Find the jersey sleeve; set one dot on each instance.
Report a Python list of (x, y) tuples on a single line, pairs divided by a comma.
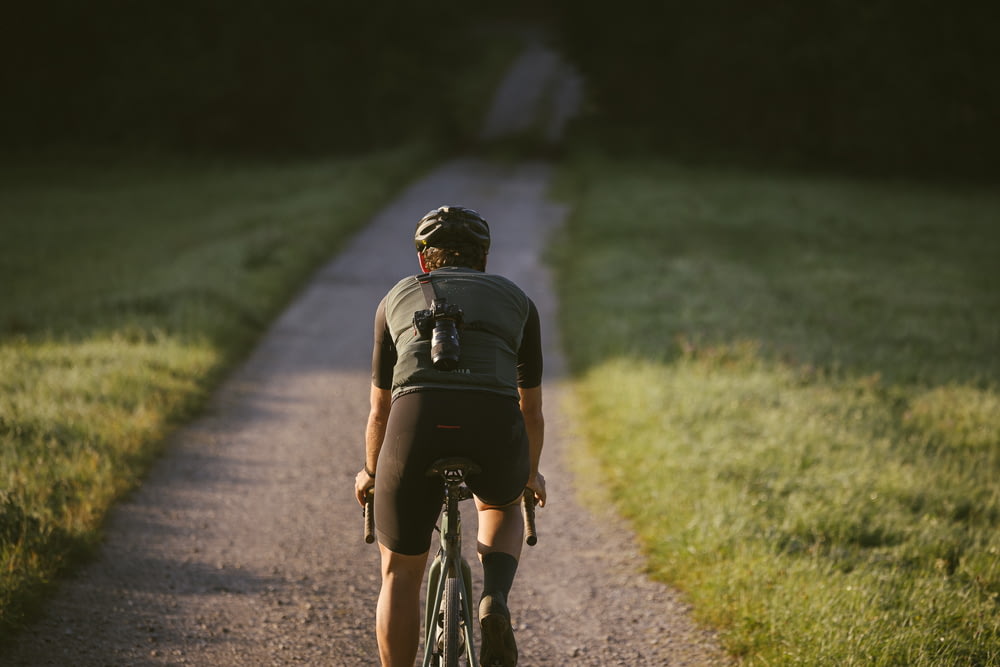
[(383, 351), (529, 355)]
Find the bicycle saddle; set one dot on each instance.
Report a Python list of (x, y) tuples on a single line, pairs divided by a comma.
[(452, 465)]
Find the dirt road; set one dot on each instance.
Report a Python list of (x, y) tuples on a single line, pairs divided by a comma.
[(244, 545)]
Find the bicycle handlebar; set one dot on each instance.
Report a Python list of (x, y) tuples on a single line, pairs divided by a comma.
[(528, 509), (369, 518)]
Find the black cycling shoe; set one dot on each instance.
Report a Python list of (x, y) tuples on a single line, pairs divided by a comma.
[(498, 646)]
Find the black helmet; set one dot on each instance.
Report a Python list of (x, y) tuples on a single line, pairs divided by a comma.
[(452, 225)]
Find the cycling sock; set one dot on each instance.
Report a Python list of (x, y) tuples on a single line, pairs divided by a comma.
[(499, 569)]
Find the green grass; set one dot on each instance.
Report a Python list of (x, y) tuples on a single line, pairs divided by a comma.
[(128, 290), (791, 386)]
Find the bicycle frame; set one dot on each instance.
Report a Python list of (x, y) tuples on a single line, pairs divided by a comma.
[(450, 564)]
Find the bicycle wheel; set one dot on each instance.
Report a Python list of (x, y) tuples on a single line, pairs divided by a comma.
[(452, 630)]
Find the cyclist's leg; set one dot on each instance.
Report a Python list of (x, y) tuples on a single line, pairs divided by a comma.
[(501, 528), (502, 451), (397, 617), (407, 503), (500, 533), (503, 456)]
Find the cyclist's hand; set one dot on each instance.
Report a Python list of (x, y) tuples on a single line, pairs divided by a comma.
[(363, 482), (537, 484)]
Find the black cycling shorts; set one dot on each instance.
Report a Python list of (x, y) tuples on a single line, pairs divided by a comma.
[(425, 426)]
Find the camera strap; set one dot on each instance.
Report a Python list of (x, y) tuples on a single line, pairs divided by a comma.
[(430, 295)]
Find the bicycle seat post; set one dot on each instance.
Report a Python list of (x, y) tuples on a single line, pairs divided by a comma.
[(453, 472)]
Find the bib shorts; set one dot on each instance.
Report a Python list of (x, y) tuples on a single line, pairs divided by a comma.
[(428, 425)]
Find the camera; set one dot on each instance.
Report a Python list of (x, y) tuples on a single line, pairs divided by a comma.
[(441, 323)]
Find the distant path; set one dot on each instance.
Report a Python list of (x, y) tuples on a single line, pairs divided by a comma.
[(541, 92), (244, 545)]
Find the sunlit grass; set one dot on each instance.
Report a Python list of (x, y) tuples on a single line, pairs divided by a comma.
[(167, 245), (128, 291), (791, 385), (77, 423)]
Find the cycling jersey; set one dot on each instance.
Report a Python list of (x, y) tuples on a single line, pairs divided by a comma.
[(500, 340)]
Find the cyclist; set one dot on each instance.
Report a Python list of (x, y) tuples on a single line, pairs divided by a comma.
[(488, 409)]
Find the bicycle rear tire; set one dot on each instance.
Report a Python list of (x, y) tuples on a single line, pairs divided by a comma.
[(453, 646)]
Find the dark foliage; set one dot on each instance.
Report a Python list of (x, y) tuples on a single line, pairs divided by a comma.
[(886, 85), (251, 76)]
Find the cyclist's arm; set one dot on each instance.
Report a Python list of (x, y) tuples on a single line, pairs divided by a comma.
[(383, 363), (534, 422), (380, 400), (529, 378), (378, 417)]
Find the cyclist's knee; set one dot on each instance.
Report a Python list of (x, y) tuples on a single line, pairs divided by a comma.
[(482, 505), (402, 565)]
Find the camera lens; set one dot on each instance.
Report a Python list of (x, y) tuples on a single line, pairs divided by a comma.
[(445, 349)]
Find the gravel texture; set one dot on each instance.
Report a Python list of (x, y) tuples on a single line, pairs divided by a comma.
[(244, 545)]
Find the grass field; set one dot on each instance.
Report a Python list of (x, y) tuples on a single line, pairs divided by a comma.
[(128, 290), (790, 384)]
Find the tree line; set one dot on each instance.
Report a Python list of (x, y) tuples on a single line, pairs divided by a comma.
[(253, 76), (890, 85)]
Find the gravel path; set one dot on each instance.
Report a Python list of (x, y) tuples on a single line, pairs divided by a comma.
[(244, 545)]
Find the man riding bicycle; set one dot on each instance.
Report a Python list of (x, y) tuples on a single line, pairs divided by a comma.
[(456, 371)]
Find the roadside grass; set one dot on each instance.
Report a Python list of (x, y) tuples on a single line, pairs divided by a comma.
[(790, 384), (128, 291)]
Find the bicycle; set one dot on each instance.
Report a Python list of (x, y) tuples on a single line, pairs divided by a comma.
[(448, 612)]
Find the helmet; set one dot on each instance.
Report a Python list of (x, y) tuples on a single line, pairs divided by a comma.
[(452, 225)]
